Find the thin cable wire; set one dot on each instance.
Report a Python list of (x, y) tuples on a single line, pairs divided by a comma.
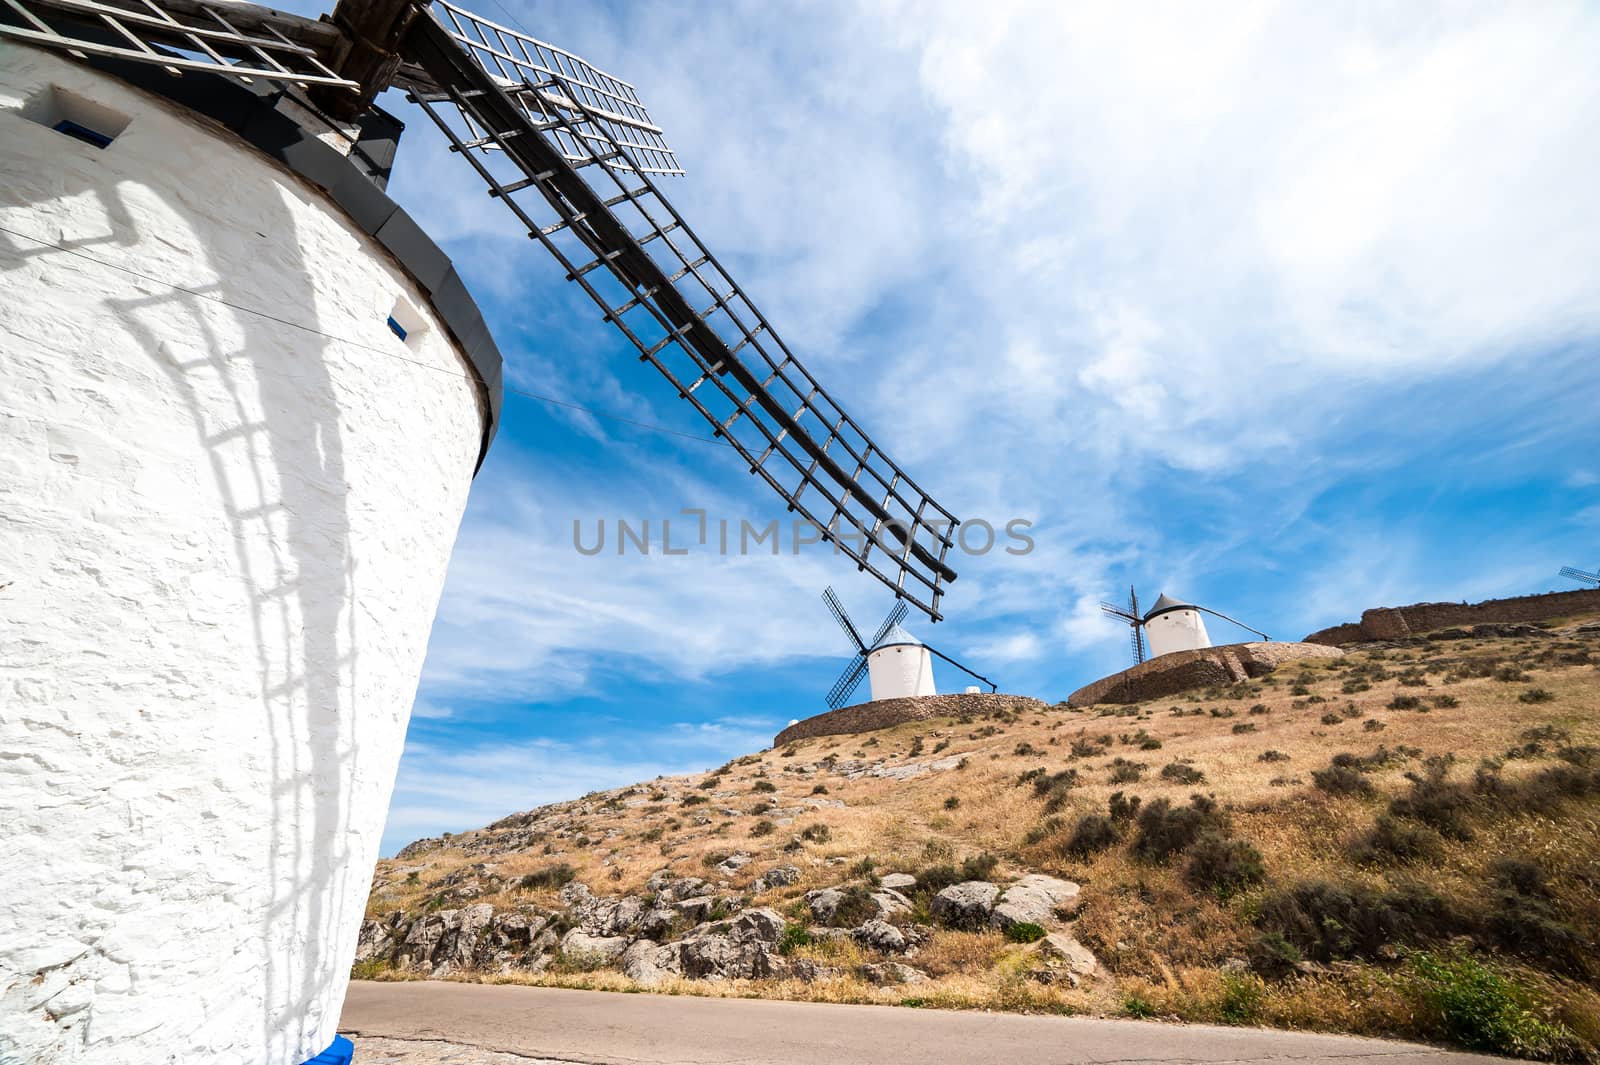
[(359, 344)]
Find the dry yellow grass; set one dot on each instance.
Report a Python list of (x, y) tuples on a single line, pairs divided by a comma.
[(1164, 942)]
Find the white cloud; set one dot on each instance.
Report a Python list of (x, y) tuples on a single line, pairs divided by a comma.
[(425, 710), (527, 616), (1065, 262), (1007, 647)]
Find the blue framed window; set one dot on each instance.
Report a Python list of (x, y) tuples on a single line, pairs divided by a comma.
[(396, 328), (78, 131)]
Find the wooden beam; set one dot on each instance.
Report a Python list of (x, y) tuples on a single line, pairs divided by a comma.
[(372, 30)]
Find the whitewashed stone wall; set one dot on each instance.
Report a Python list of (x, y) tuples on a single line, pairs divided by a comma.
[(222, 542)]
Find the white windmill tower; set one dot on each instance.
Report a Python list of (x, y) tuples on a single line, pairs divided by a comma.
[(1170, 625), (898, 664), (244, 399)]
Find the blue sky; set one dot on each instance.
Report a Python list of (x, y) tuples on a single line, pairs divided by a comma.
[(1292, 314)]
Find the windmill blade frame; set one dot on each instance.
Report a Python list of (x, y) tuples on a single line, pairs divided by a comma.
[(1130, 616), (529, 116), (847, 682), (1575, 574), (517, 59), (242, 41), (669, 296), (1119, 612), (896, 615), (836, 608)]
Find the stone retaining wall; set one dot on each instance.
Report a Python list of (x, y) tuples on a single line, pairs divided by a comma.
[(1202, 668), (867, 717), (1389, 623)]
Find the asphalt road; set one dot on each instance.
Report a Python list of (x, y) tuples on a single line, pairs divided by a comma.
[(602, 1028)]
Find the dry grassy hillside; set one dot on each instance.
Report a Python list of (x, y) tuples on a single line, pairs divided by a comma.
[(1404, 841)]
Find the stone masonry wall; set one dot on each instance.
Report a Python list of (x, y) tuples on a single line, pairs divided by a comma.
[(1388, 623), (867, 717), (1203, 667)]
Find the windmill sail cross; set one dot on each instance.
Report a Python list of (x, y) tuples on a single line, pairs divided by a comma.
[(582, 188)]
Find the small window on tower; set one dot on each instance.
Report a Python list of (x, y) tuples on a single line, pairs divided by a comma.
[(74, 116), (406, 322)]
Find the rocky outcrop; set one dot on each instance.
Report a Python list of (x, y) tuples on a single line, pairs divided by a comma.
[(1064, 948), (1035, 899), (867, 717), (1206, 667), (741, 949), (968, 905), (881, 935), (639, 934), (777, 876), (892, 972), (474, 937)]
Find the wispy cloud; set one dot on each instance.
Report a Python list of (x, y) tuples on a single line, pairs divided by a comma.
[(1291, 311)]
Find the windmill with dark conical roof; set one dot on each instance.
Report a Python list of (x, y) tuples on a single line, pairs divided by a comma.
[(1170, 625)]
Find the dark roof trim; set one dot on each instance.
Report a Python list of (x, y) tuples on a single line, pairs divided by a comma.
[(355, 183), (1166, 605)]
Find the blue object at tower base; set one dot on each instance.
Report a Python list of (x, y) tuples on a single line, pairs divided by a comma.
[(341, 1052)]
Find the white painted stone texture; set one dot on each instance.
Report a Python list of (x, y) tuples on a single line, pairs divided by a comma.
[(900, 671), (1176, 630), (222, 541)]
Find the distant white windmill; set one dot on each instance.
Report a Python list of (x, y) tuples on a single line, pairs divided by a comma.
[(1171, 625), (898, 664)]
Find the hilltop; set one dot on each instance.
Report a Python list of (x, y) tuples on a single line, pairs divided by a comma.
[(1402, 840)]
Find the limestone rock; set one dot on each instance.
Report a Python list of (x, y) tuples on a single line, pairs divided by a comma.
[(824, 903), (808, 971), (668, 889), (898, 881), (777, 876), (600, 950), (508, 940), (892, 972), (881, 935), (733, 863), (965, 905), (648, 962), (656, 923), (1034, 899), (626, 914), (718, 955), (380, 939), (890, 902), (1053, 975), (1061, 946), (763, 925), (696, 909)]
